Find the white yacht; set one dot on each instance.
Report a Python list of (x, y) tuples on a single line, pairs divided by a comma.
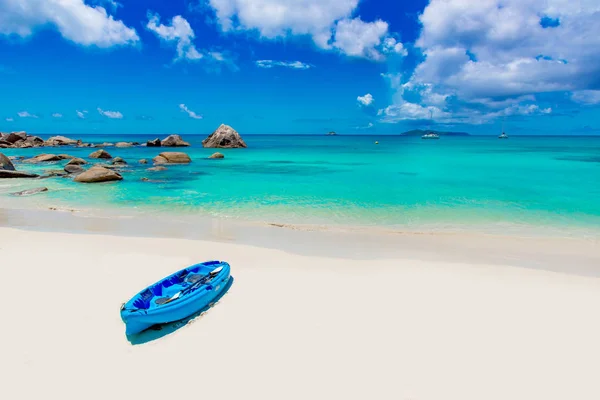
[(430, 134), (503, 135)]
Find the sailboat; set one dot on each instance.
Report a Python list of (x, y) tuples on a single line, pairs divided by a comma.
[(430, 134), (503, 135)]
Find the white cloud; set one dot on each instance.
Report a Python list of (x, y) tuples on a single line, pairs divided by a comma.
[(286, 64), (277, 18), (405, 110), (492, 57), (110, 114), (355, 37), (57, 115), (9, 119), (179, 32), (217, 56), (81, 114), (498, 48), (586, 96), (113, 4), (503, 103), (82, 24), (366, 100), (329, 23), (189, 112), (368, 126), (26, 114), (410, 111), (392, 46)]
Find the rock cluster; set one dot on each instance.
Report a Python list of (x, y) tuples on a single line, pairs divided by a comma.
[(21, 139), (7, 169)]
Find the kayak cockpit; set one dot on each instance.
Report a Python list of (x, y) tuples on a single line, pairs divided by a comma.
[(175, 286)]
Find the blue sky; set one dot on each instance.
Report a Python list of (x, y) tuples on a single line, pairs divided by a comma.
[(300, 66)]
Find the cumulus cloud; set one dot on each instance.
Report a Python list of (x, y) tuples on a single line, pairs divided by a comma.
[(26, 114), (81, 114), (276, 18), (411, 111), (178, 32), (57, 115), (392, 46), (491, 58), (286, 64), (76, 21), (330, 23), (366, 100), (189, 112), (355, 37), (10, 119), (110, 114), (499, 48), (408, 111)]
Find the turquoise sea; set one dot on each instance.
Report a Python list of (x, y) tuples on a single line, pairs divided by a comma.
[(401, 184)]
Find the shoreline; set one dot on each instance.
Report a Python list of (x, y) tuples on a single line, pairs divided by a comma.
[(40, 203), (497, 227), (571, 255)]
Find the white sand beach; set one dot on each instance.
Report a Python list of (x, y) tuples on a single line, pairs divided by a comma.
[(293, 326)]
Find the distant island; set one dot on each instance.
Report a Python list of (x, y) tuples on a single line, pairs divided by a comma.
[(332, 133), (420, 132)]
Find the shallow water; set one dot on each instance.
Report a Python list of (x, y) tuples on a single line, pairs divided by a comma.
[(403, 183)]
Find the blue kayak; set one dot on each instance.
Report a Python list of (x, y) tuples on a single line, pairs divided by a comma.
[(176, 296)]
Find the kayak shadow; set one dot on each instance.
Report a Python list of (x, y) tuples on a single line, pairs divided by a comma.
[(161, 330)]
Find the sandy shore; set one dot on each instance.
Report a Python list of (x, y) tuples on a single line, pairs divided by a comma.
[(292, 326)]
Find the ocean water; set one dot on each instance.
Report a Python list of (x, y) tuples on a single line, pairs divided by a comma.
[(401, 184)]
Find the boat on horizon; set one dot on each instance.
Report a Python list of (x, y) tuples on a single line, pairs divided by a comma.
[(176, 297), (503, 135), (430, 134)]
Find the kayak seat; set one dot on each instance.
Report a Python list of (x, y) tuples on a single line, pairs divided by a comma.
[(193, 278), (161, 300), (176, 279), (143, 302)]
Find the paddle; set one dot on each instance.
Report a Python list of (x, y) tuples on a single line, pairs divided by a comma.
[(205, 279)]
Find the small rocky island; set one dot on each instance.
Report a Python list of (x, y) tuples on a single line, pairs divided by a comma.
[(224, 137)]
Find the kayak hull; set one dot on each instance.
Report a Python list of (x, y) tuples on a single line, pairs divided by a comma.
[(141, 312)]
